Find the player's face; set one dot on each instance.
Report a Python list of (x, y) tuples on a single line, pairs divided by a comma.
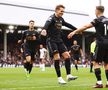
[(97, 12), (41, 46), (75, 42), (60, 12), (31, 25)]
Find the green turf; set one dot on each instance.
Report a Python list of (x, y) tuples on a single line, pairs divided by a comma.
[(14, 79)]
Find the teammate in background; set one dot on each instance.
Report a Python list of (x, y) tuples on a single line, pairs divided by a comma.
[(101, 53), (92, 52), (76, 53), (55, 43), (43, 55), (31, 38), (22, 49)]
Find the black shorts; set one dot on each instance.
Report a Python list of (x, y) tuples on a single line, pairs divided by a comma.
[(76, 57), (101, 54), (56, 47), (28, 52)]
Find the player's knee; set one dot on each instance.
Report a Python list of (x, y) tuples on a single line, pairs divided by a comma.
[(66, 55), (75, 62), (28, 58), (106, 66), (96, 65), (56, 56), (79, 62)]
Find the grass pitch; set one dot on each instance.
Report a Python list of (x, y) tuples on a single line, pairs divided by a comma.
[(14, 79)]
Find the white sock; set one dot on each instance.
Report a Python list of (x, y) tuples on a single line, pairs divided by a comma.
[(40, 65), (43, 67), (59, 77), (99, 82), (107, 82), (69, 75)]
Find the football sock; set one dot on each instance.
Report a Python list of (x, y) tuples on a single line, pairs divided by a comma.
[(57, 68), (76, 66), (98, 74), (68, 66)]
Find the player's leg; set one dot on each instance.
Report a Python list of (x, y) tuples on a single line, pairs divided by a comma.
[(63, 50), (91, 67), (57, 67), (106, 64), (76, 61), (42, 64), (56, 63), (25, 66), (99, 56), (76, 64), (32, 60), (27, 61), (91, 63), (97, 72), (30, 66), (53, 49), (66, 57), (106, 73)]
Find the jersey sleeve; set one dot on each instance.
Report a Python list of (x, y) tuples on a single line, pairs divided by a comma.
[(48, 22), (37, 35), (45, 50), (39, 38), (71, 48), (95, 22), (23, 36), (69, 25), (79, 47)]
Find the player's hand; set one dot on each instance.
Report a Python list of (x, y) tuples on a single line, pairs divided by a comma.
[(71, 34), (34, 37), (43, 32)]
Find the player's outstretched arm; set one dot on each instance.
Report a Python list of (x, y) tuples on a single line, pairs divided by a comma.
[(80, 30), (69, 25)]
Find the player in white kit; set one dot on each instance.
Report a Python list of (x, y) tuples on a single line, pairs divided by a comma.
[(43, 55)]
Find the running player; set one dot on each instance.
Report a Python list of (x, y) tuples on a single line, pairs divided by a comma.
[(76, 53), (101, 48), (55, 43), (31, 38)]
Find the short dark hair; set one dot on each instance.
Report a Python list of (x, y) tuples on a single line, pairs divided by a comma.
[(31, 21), (59, 6), (100, 8)]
